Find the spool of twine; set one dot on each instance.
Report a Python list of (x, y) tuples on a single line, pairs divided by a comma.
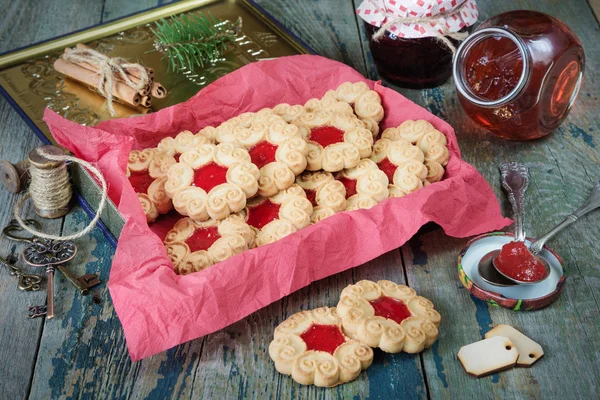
[(50, 189), (442, 37)]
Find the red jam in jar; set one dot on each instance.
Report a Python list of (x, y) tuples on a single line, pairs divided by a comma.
[(519, 73), (412, 63)]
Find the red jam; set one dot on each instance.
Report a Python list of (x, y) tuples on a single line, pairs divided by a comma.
[(176, 156), (311, 195), (140, 181), (413, 63), (326, 135), (262, 214), (210, 176), (494, 68), (262, 153), (519, 73), (517, 262), (349, 184), (388, 167), (391, 308), (203, 238), (323, 338)]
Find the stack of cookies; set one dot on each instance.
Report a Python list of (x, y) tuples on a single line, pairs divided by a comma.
[(263, 175)]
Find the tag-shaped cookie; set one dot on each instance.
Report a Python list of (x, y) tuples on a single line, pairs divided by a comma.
[(529, 351), (488, 356)]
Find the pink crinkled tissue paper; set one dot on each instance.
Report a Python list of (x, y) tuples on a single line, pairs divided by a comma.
[(159, 309)]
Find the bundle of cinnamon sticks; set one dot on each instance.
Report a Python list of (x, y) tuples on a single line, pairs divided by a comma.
[(88, 73)]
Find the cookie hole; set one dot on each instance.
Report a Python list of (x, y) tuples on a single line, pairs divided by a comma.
[(508, 347), (531, 355)]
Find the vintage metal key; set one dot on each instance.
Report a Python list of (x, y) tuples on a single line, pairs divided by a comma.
[(13, 230), (83, 283), (37, 311), (27, 282), (48, 253)]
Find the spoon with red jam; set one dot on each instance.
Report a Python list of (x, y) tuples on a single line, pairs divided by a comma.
[(523, 265), (515, 179), (514, 261)]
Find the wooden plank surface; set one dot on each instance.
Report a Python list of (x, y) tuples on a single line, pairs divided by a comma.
[(329, 27), (82, 352), (21, 24), (563, 168)]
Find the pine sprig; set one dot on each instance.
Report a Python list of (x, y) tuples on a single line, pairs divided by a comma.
[(192, 40)]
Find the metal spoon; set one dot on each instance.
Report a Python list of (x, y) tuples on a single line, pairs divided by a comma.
[(515, 179), (592, 202)]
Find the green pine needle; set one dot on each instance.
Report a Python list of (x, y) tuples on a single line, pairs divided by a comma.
[(189, 41)]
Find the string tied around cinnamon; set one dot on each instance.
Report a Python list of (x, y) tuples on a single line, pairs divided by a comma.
[(442, 36), (109, 69), (50, 189)]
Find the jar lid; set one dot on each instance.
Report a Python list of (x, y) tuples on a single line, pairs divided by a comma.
[(424, 18)]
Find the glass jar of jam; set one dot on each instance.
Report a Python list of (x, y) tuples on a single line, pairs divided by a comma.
[(519, 73), (414, 63)]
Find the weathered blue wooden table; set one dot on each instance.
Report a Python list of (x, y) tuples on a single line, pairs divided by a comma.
[(82, 353)]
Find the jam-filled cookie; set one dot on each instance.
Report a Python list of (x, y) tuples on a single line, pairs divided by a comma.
[(276, 147), (288, 112), (184, 141), (422, 134), (335, 140), (147, 171), (365, 184), (402, 162), (193, 246), (389, 316), (312, 348), (277, 216), (328, 102), (365, 102), (212, 181), (326, 194)]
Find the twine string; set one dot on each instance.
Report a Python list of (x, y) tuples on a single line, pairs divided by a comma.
[(50, 187), (438, 18), (108, 69)]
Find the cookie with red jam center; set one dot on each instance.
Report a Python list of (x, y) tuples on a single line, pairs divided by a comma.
[(278, 216), (408, 169), (389, 316), (336, 140), (366, 185), (312, 348), (146, 171), (212, 181), (194, 246), (275, 146), (353, 98), (326, 194)]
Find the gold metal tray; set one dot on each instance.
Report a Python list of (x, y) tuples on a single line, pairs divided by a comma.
[(30, 83)]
